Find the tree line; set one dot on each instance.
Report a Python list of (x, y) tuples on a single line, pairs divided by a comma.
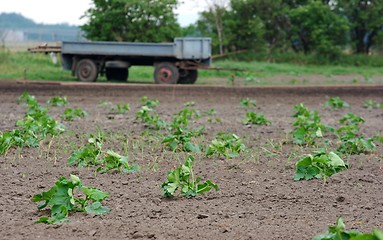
[(323, 27)]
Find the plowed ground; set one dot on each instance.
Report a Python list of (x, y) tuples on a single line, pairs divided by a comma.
[(258, 198)]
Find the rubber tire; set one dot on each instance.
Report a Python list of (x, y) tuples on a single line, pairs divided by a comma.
[(117, 74), (190, 77), (86, 70), (166, 73)]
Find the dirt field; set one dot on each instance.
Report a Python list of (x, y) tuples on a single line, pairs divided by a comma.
[(258, 198)]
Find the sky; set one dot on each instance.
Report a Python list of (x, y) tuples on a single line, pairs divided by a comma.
[(70, 11)]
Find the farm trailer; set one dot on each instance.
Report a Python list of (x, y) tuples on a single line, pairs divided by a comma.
[(176, 62)]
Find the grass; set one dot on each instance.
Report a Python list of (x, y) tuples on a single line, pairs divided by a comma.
[(25, 65)]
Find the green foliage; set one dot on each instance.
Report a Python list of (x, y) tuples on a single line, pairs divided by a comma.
[(148, 115), (183, 178), (70, 114), (338, 232), (246, 102), (88, 155), (182, 118), (58, 101), (36, 126), (121, 108), (227, 145), (319, 165), (131, 21), (255, 118), (113, 160), (62, 200), (308, 126), (371, 104), (348, 134), (92, 154), (182, 140), (335, 103), (319, 29)]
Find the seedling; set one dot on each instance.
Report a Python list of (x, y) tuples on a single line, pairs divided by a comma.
[(351, 142), (308, 125), (336, 103), (189, 104), (182, 118), (246, 102), (148, 102), (121, 108), (338, 232), (227, 145), (92, 154), (210, 112), (149, 117), (371, 104), (88, 155), (58, 101), (183, 178), (181, 140), (113, 160), (70, 114), (319, 165), (255, 118), (62, 200), (33, 128)]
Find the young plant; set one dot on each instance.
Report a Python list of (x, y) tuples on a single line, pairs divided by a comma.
[(336, 103), (150, 118), (348, 134), (319, 165), (58, 101), (89, 155), (70, 114), (227, 145), (182, 118), (36, 126), (181, 140), (149, 102), (308, 126), (338, 232), (183, 178), (92, 154), (255, 118), (121, 108), (113, 160), (62, 200), (371, 104), (246, 102)]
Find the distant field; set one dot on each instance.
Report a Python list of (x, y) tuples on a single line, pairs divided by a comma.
[(17, 63)]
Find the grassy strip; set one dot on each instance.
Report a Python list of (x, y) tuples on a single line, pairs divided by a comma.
[(24, 65)]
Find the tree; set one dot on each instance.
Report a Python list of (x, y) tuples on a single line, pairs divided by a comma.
[(217, 9), (132, 20), (316, 28), (366, 18)]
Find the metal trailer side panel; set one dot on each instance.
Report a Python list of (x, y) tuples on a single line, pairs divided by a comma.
[(193, 48), (119, 49)]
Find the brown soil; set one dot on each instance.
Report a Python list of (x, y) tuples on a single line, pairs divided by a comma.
[(258, 198)]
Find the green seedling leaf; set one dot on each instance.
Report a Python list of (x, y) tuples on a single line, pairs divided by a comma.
[(319, 165), (58, 101), (183, 178), (338, 232), (96, 208), (61, 200)]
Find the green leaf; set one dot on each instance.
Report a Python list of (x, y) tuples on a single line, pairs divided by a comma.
[(94, 194), (335, 160), (96, 208)]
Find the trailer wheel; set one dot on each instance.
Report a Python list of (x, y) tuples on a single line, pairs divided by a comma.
[(86, 70), (188, 76), (117, 74), (166, 73)]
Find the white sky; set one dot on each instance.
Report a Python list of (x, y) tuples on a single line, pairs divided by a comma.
[(70, 11)]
